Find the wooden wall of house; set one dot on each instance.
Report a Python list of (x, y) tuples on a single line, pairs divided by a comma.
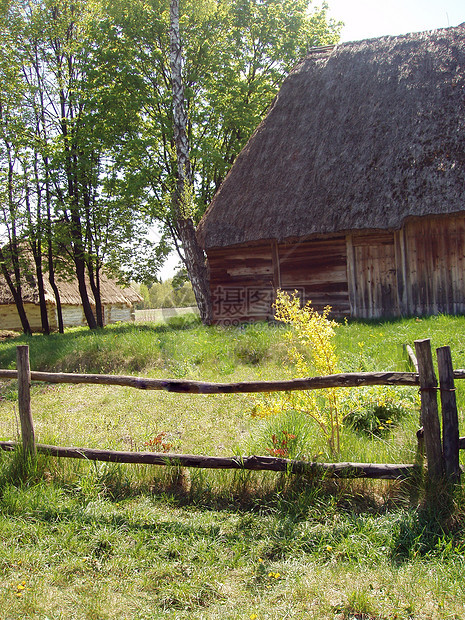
[(317, 270), (431, 265), (73, 315), (9, 318), (242, 283), (244, 279), (116, 313), (372, 274), (417, 270)]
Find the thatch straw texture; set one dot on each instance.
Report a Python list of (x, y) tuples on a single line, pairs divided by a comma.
[(111, 292), (361, 136)]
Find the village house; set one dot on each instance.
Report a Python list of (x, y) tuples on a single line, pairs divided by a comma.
[(118, 303)]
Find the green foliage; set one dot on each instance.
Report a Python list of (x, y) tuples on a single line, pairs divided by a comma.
[(236, 55), (170, 293), (377, 411), (86, 127)]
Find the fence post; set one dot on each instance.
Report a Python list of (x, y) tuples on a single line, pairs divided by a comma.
[(24, 400), (450, 420), (429, 410)]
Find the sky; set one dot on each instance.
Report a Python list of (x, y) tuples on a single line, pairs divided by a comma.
[(375, 18), (365, 19)]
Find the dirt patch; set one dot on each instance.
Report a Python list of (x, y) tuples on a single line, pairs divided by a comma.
[(5, 334)]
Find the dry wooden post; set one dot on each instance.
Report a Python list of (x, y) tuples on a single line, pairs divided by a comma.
[(450, 420), (24, 400), (429, 410), (411, 355)]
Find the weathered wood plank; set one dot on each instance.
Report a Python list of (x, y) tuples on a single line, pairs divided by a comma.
[(450, 420), (254, 463), (411, 356), (276, 265), (429, 410), (351, 277), (24, 399)]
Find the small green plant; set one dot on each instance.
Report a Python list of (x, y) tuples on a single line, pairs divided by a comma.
[(312, 350), (375, 410)]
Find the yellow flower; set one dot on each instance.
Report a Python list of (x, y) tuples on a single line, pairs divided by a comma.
[(329, 548), (253, 616), (260, 560)]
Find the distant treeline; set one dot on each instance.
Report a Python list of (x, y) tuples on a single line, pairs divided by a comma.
[(166, 294)]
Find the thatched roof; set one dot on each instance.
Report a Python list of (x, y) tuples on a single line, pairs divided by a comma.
[(360, 136), (111, 292)]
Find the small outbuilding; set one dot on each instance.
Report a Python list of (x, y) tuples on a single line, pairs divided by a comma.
[(118, 303), (352, 189)]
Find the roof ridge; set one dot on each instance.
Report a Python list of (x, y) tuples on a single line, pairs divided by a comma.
[(322, 48)]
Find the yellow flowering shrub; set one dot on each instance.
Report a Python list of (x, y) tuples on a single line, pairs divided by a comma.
[(312, 352)]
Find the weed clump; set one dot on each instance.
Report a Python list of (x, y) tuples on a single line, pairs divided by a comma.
[(376, 415)]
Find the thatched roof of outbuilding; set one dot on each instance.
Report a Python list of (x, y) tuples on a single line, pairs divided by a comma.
[(360, 136), (111, 292)]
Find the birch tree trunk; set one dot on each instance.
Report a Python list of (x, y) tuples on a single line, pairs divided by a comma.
[(182, 200)]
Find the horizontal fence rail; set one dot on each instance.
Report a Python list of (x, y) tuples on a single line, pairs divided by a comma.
[(254, 463), (181, 386)]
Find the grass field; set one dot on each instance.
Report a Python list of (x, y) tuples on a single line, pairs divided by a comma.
[(86, 540)]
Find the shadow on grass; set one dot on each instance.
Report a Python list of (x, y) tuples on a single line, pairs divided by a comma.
[(433, 529), (284, 518)]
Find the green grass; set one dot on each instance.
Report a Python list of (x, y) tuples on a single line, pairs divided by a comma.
[(99, 541)]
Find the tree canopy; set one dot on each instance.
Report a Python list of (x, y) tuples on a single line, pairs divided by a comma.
[(87, 152)]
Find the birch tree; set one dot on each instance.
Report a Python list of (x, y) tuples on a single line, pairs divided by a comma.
[(183, 195), (235, 55)]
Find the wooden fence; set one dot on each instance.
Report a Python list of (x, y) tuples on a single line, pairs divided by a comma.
[(442, 455)]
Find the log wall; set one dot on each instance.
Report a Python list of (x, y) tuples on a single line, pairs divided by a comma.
[(242, 282), (368, 274), (318, 271), (372, 269), (116, 313), (244, 279), (9, 319), (73, 316), (434, 265)]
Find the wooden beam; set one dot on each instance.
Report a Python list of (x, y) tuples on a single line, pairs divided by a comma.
[(351, 276), (351, 379), (276, 265), (24, 400), (254, 463), (429, 410), (411, 356), (450, 420)]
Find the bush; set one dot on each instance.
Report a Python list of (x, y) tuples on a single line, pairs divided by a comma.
[(312, 350)]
